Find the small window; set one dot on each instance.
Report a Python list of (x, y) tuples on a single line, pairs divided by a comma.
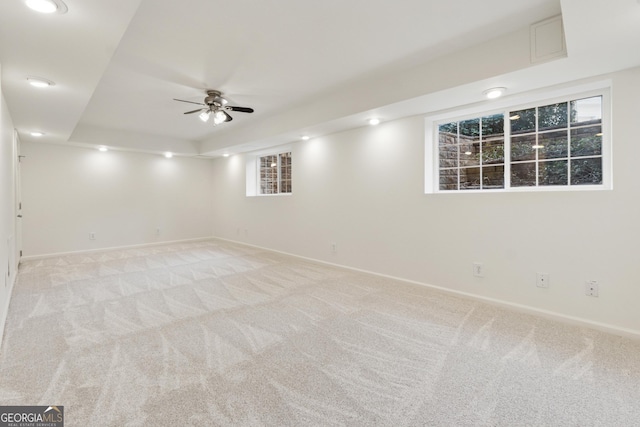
[(558, 144), (471, 153), (274, 173)]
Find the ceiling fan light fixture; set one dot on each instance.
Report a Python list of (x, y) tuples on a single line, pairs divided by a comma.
[(219, 117), (204, 116), (47, 6)]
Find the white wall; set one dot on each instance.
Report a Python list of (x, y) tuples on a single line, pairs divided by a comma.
[(123, 197), (8, 241), (363, 190)]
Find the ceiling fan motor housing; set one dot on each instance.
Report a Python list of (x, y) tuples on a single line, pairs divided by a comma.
[(214, 98)]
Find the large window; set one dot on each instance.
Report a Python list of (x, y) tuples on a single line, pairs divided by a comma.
[(557, 144), (274, 173), (549, 145)]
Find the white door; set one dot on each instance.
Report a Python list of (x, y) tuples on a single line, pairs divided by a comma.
[(18, 200)]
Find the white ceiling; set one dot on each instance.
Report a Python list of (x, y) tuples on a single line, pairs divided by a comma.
[(118, 64)]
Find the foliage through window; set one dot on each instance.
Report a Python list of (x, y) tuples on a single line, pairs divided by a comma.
[(472, 153), (558, 144), (274, 173)]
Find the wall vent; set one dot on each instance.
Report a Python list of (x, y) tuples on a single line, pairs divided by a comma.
[(547, 40)]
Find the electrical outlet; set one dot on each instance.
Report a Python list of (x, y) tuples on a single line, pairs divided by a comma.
[(478, 269), (92, 235), (542, 280), (591, 288)]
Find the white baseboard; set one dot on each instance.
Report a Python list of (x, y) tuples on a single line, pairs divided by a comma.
[(113, 248), (565, 318)]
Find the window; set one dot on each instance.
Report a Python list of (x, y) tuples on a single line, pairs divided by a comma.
[(546, 145), (557, 144), (274, 173), (471, 153)]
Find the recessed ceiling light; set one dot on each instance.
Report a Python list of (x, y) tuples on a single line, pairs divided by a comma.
[(374, 121), (39, 82), (47, 6), (225, 155), (103, 148), (168, 155), (305, 137), (494, 92), (37, 134)]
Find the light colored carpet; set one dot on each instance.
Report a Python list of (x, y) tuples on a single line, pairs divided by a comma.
[(213, 333)]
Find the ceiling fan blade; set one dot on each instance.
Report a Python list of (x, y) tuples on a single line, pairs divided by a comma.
[(190, 102), (229, 118), (194, 111), (240, 109)]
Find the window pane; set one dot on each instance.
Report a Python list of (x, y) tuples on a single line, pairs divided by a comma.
[(493, 177), (470, 129), (448, 156), (470, 179), (522, 148), (553, 173), (586, 171), (586, 141), (552, 116), (493, 126), (523, 121), (469, 143), (493, 152), (470, 154), (523, 174), (285, 173), (553, 145), (269, 175), (586, 111), (448, 133), (448, 179)]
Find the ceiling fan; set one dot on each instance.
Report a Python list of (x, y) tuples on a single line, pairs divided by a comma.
[(215, 106)]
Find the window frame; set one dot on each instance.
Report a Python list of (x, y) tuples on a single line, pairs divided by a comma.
[(252, 169), (505, 106), (278, 154), (482, 139)]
